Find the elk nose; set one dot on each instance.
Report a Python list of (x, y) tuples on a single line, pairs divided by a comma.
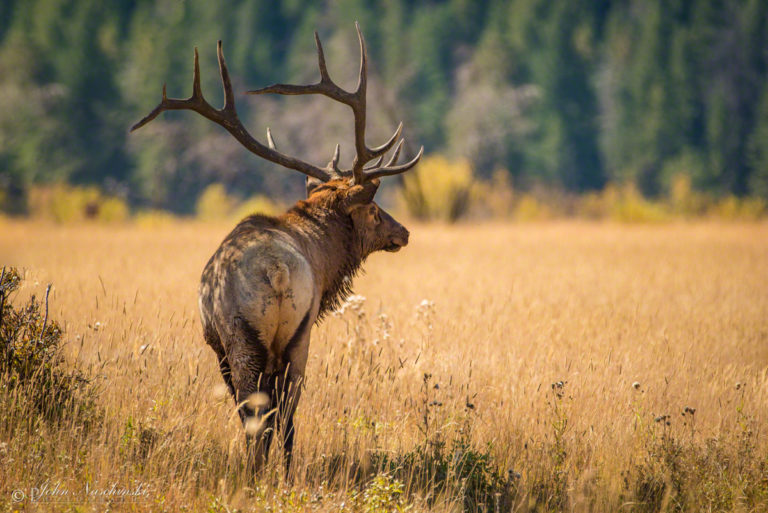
[(402, 238)]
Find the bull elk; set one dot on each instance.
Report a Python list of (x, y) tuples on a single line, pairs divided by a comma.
[(273, 278)]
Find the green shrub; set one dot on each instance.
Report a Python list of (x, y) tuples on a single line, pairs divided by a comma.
[(624, 204), (31, 364), (384, 494), (494, 198), (64, 203), (113, 210), (684, 201), (153, 218), (528, 208), (214, 204), (258, 204), (732, 208), (447, 465), (456, 468), (438, 189)]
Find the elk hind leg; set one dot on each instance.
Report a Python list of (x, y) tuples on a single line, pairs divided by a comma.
[(212, 339), (248, 358), (285, 395), (288, 383)]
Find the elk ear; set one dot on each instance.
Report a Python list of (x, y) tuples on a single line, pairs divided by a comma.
[(358, 195), (312, 183)]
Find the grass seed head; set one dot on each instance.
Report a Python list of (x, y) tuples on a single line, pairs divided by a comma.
[(220, 392), (257, 401)]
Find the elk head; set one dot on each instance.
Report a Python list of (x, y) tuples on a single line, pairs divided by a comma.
[(349, 191), (376, 229)]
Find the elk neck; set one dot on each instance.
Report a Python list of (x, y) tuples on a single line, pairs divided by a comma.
[(332, 246)]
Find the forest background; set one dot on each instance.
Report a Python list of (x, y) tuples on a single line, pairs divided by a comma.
[(521, 105)]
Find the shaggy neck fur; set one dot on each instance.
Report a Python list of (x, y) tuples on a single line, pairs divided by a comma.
[(333, 247)]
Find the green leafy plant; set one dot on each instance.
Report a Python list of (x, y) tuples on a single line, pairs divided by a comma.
[(384, 494), (30, 355)]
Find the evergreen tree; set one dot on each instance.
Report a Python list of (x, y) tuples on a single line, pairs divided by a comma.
[(568, 94)]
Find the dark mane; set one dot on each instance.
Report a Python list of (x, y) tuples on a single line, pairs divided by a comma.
[(336, 235), (340, 289)]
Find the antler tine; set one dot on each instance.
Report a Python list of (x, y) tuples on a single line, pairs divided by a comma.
[(197, 92), (384, 148), (324, 77), (333, 165), (375, 164), (396, 154), (359, 110), (226, 83), (152, 115), (325, 86), (394, 170), (227, 117), (172, 103), (270, 141), (362, 82)]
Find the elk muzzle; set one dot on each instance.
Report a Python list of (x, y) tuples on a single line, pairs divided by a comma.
[(397, 234), (397, 242)]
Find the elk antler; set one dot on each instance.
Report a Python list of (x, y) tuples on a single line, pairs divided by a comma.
[(227, 117), (357, 102)]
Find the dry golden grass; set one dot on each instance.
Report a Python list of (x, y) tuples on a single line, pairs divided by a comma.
[(680, 309)]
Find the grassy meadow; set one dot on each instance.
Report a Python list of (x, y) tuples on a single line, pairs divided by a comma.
[(553, 366)]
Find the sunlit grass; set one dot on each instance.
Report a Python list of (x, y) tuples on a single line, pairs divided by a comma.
[(596, 366)]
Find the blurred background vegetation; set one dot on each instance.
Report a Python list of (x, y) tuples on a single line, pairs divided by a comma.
[(626, 109)]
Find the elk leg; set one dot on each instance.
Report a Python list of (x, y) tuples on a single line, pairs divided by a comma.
[(213, 340), (248, 359), (258, 422), (226, 373), (286, 395), (291, 380)]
